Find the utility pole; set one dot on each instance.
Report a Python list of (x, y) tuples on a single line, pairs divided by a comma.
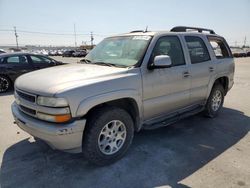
[(91, 38), (75, 34), (245, 41), (16, 37)]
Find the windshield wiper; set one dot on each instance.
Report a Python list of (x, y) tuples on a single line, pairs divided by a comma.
[(108, 64), (87, 61)]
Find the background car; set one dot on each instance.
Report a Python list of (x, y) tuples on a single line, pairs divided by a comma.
[(68, 53), (2, 51), (238, 52), (13, 65), (80, 53), (248, 54)]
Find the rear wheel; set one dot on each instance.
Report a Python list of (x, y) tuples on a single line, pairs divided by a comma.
[(108, 135), (5, 84), (215, 101)]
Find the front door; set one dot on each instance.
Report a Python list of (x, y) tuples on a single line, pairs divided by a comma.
[(40, 62), (166, 90)]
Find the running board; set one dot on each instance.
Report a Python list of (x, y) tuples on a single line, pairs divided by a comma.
[(172, 119)]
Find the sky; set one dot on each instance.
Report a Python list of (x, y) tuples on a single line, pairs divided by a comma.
[(51, 22)]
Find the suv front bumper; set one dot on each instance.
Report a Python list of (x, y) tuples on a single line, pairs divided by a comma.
[(66, 136)]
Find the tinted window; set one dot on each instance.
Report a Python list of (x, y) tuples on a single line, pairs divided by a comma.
[(197, 50), (40, 59), (171, 46), (17, 59), (219, 48)]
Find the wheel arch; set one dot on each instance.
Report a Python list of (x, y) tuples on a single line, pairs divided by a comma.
[(223, 80), (130, 103)]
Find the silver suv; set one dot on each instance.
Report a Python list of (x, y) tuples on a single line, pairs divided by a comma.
[(139, 80)]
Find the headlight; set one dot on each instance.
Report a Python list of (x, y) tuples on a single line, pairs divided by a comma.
[(51, 101), (54, 118)]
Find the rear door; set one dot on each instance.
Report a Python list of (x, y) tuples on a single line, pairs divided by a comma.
[(16, 65), (223, 57), (202, 68)]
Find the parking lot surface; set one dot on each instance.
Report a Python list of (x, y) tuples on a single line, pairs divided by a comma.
[(195, 152)]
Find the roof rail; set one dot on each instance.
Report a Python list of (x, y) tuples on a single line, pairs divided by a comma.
[(184, 29), (137, 31)]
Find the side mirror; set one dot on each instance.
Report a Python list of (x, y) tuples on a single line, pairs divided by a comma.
[(161, 61)]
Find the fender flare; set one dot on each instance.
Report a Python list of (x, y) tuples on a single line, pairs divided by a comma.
[(212, 81), (90, 102)]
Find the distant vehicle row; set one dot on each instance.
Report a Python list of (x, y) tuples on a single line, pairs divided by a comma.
[(240, 52), (75, 53)]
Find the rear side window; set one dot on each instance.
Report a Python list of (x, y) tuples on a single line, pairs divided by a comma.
[(17, 60), (197, 49), (219, 47)]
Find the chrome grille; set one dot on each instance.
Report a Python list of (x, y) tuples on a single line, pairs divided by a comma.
[(26, 96)]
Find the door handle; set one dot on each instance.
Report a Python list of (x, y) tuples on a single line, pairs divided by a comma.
[(186, 74), (211, 69)]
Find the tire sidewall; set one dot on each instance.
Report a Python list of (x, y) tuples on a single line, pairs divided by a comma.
[(5, 77), (209, 109), (97, 123)]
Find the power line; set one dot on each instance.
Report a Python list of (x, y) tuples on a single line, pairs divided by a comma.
[(45, 33), (51, 33)]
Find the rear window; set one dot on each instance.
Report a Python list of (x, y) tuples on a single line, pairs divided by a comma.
[(219, 47), (197, 49)]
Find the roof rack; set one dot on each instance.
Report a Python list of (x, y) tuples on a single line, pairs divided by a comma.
[(184, 29), (137, 31)]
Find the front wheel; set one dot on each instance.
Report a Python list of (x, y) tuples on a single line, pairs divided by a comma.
[(5, 84), (109, 133), (215, 101)]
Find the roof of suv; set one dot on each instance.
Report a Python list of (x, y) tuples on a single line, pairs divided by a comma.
[(176, 30)]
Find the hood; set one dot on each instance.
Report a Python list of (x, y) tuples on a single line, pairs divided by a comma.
[(51, 80)]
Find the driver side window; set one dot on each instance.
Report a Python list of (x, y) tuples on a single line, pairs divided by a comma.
[(171, 46)]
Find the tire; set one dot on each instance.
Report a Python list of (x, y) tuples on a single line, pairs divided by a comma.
[(108, 135), (215, 101), (5, 84)]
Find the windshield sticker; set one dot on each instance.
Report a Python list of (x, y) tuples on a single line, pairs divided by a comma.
[(141, 37)]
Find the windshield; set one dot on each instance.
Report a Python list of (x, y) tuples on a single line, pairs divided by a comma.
[(120, 51)]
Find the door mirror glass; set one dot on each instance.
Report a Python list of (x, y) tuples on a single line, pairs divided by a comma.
[(161, 61)]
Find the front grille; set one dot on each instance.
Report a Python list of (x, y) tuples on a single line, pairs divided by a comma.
[(26, 96), (27, 110)]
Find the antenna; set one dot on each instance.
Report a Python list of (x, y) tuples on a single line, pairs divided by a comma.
[(16, 37)]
